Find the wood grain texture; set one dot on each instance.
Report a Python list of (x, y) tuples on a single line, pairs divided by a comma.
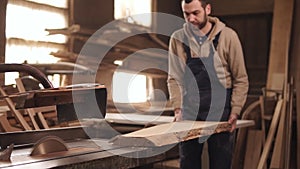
[(174, 132)]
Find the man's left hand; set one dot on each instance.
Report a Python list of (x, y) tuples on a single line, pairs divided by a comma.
[(232, 120)]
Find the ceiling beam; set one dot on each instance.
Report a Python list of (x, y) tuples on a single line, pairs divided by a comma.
[(241, 7)]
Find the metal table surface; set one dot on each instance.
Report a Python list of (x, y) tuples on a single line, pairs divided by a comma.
[(96, 153)]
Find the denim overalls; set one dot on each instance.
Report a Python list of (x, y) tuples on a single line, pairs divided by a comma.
[(198, 101)]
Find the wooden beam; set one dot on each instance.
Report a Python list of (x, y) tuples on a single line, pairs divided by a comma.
[(241, 7), (277, 160), (280, 40), (3, 4), (34, 43), (174, 132)]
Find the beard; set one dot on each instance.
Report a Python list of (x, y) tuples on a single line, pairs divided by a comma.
[(202, 24)]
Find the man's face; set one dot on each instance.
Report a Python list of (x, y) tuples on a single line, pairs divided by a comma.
[(195, 14)]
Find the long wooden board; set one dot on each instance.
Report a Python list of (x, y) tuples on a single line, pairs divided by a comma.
[(279, 49), (174, 132)]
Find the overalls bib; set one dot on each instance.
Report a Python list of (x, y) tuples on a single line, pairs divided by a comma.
[(197, 100)]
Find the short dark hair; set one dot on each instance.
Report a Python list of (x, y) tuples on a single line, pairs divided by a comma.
[(203, 2)]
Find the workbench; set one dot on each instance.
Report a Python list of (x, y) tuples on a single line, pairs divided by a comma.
[(98, 151)]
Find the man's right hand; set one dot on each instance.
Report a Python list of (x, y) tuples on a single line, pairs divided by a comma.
[(177, 114)]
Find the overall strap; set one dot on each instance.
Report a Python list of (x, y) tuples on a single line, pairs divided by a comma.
[(186, 47), (216, 40)]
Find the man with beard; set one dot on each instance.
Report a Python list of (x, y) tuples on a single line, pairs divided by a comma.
[(207, 81)]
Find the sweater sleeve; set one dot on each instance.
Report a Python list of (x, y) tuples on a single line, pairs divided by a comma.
[(240, 82), (175, 73)]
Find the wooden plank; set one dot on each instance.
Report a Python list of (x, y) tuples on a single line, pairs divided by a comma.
[(253, 148), (280, 40), (73, 29), (270, 136), (175, 132), (137, 119), (278, 151), (241, 7)]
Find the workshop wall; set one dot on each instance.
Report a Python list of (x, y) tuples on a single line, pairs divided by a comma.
[(250, 23)]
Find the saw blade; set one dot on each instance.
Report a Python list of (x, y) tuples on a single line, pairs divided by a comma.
[(48, 144)]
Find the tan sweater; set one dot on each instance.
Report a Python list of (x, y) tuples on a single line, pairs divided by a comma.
[(231, 71)]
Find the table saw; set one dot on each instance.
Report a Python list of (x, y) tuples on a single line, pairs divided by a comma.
[(96, 142)]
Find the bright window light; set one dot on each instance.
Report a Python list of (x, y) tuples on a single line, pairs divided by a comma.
[(130, 10), (118, 62), (30, 53), (30, 24), (27, 39), (129, 88), (56, 3)]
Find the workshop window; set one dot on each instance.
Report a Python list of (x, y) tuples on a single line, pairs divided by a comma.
[(27, 40), (129, 88), (134, 11)]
